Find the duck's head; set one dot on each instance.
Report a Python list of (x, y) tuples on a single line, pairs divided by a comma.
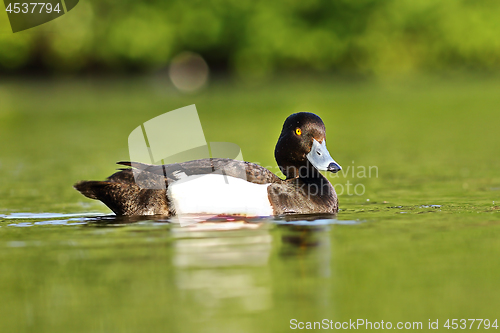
[(301, 147)]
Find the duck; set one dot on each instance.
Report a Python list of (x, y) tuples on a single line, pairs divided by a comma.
[(222, 186)]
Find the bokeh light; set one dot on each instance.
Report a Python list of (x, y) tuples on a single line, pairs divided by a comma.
[(189, 72)]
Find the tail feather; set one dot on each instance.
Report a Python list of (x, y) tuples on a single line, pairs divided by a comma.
[(125, 198), (122, 176), (89, 188)]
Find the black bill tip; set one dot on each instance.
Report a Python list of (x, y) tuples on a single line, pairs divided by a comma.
[(334, 167)]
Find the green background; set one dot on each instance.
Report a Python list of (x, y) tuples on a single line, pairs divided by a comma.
[(254, 39)]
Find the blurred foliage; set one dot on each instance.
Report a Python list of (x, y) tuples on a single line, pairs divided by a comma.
[(256, 38)]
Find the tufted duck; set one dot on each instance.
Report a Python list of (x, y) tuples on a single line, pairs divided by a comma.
[(229, 187)]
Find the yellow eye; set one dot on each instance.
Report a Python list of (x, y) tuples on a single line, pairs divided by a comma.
[(298, 131)]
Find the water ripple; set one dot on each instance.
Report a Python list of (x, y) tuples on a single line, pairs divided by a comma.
[(25, 216), (224, 222)]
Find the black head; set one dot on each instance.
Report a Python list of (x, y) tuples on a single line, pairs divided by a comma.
[(301, 148)]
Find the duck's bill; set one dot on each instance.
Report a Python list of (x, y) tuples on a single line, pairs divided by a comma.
[(320, 158)]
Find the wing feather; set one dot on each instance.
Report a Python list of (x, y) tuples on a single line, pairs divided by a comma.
[(251, 172)]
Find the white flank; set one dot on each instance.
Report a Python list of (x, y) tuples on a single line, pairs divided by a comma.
[(219, 194)]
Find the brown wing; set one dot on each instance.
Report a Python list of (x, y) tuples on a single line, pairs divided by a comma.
[(251, 172)]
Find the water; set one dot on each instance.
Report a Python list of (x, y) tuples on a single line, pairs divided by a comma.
[(421, 243), (94, 274)]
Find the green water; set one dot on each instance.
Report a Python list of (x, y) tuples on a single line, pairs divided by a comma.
[(420, 242)]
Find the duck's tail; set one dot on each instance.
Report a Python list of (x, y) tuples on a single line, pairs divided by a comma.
[(91, 189), (124, 197)]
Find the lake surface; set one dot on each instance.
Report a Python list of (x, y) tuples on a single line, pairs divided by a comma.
[(418, 239)]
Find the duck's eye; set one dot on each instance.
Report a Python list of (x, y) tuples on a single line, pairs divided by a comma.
[(298, 131)]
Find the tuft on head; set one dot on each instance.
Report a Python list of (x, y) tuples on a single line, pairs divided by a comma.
[(306, 123)]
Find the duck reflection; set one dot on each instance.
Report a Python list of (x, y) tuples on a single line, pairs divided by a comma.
[(242, 264), (307, 239), (227, 269), (224, 263), (304, 233)]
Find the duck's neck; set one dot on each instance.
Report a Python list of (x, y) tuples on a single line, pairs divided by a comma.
[(304, 171)]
